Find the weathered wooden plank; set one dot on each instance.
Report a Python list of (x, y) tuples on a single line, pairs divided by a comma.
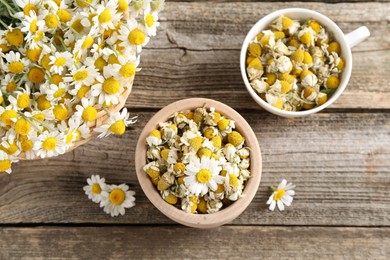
[(340, 163), (171, 242), (196, 53)]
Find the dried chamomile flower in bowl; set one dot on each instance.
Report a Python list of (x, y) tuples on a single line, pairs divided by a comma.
[(296, 62), (199, 162)]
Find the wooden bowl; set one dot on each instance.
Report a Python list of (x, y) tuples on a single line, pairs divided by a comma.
[(200, 220)]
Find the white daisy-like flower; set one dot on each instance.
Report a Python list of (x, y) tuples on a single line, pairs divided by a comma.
[(5, 162), (59, 61), (151, 21), (96, 188), (137, 7), (8, 83), (203, 174), (82, 76), (50, 144), (108, 88), (116, 124), (107, 16), (27, 6), (281, 196), (117, 199), (54, 92), (31, 23), (87, 110), (134, 35), (15, 64)]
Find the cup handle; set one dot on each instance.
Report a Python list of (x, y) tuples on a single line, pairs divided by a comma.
[(357, 36)]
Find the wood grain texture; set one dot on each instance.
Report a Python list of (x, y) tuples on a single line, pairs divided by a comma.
[(340, 163), (196, 53), (171, 242)]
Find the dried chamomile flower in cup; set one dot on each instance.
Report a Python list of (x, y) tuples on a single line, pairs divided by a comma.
[(198, 160), (294, 65)]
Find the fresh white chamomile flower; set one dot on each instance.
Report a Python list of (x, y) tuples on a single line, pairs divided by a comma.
[(128, 67), (87, 110), (116, 124), (5, 162), (8, 83), (151, 21), (14, 63), (108, 88), (106, 15), (137, 7), (282, 195), (82, 76), (117, 199), (60, 61), (9, 144), (49, 144), (56, 92), (22, 99), (31, 24), (202, 175), (133, 35), (27, 6), (84, 43), (96, 188)]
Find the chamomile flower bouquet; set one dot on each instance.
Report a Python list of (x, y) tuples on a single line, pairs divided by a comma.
[(67, 69)]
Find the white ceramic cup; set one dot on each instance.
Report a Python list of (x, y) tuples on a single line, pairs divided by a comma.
[(346, 41)]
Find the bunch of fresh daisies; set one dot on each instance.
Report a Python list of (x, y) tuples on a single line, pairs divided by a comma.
[(112, 198), (65, 63)]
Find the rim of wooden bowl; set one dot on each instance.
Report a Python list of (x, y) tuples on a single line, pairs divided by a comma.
[(200, 220)]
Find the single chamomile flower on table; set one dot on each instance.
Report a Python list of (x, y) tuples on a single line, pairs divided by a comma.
[(50, 144), (282, 195), (117, 199), (202, 175), (96, 188), (116, 124)]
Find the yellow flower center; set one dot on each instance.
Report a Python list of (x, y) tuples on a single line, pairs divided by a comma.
[(112, 59), (23, 100), (100, 63), (89, 114), (203, 176), (7, 116), (22, 126), (33, 54), (149, 20), (59, 62), (233, 180), (96, 188), (87, 42), (77, 26), (118, 127), (39, 116), (60, 112), (43, 103), (63, 15), (59, 93), (45, 62), (69, 138), (105, 16), (36, 75), (82, 91), (5, 165), (26, 145), (83, 3), (49, 143), (28, 8), (111, 86), (279, 194), (16, 67), (123, 5), (38, 37), (136, 37), (15, 37), (80, 75), (11, 149), (117, 196), (11, 86), (127, 70), (33, 26)]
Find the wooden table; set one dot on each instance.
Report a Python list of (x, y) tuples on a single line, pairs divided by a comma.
[(339, 158)]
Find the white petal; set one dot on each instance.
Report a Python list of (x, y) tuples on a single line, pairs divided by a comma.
[(280, 205), (282, 185), (272, 206)]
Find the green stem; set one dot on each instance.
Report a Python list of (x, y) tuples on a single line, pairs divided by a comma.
[(3, 24), (10, 8), (273, 188), (90, 5), (62, 41)]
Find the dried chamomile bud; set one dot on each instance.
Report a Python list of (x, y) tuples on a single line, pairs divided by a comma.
[(259, 85), (255, 49), (152, 169), (235, 138), (321, 98), (332, 82), (169, 197), (199, 114), (298, 56), (196, 143), (334, 47), (284, 64), (285, 86), (255, 69), (274, 100), (309, 94), (165, 181), (154, 138), (315, 26), (270, 78)]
